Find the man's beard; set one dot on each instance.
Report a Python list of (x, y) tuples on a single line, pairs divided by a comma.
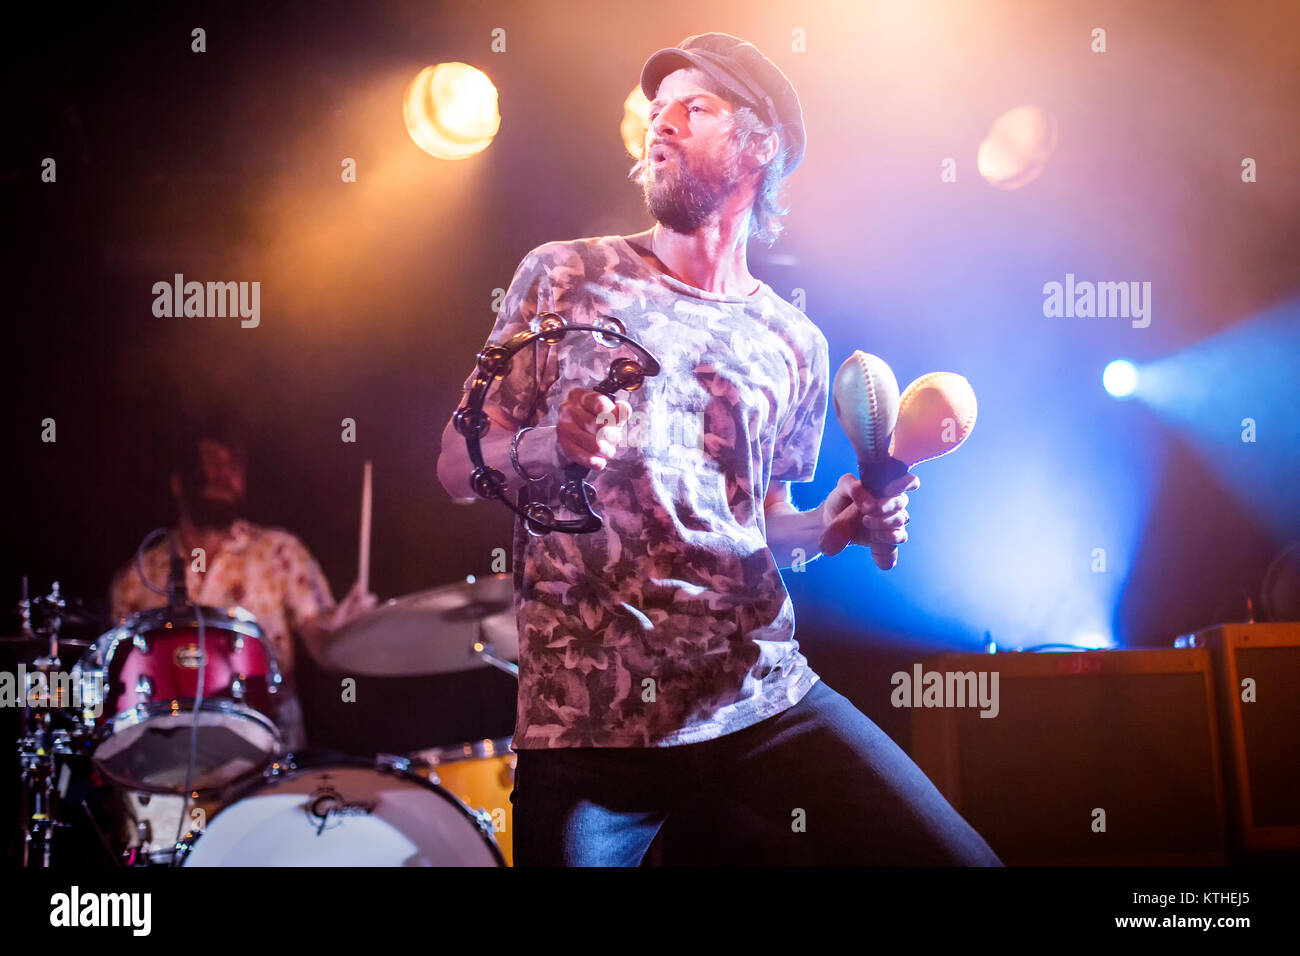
[(212, 514), (683, 200)]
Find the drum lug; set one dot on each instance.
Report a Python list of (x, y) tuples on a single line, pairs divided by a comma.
[(285, 763), (392, 762), (140, 643), (238, 642), (484, 820), (143, 689), (237, 688)]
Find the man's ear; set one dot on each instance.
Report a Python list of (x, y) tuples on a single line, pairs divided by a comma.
[(762, 154)]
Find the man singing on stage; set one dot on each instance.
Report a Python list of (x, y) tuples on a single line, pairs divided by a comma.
[(657, 656)]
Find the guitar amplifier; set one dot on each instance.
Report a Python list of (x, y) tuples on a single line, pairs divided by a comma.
[(1091, 758), (1257, 670)]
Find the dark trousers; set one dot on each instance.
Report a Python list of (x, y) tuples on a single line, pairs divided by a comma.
[(833, 787)]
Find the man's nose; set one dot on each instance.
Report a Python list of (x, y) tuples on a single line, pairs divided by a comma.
[(664, 122)]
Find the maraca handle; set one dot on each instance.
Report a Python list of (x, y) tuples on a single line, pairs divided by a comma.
[(875, 477)]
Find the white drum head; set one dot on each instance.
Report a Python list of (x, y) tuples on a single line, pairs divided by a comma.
[(343, 815)]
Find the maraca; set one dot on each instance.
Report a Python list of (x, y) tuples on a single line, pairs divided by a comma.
[(934, 415), (865, 397)]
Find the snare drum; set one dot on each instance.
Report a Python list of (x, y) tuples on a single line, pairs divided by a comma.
[(482, 774), (147, 672), (342, 813)]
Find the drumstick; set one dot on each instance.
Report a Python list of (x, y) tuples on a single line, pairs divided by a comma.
[(363, 556)]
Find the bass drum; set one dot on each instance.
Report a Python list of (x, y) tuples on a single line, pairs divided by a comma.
[(482, 774), (343, 812)]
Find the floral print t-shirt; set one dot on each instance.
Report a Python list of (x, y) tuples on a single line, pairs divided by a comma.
[(266, 571), (671, 625)]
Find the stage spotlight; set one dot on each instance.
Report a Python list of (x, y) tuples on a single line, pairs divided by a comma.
[(1094, 640), (1120, 378), (1234, 396), (636, 121), (451, 110), (1017, 147)]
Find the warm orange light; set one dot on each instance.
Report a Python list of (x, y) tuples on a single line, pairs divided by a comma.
[(636, 120), (451, 110), (1017, 147)]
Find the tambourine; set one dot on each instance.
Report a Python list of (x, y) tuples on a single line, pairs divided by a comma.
[(575, 494)]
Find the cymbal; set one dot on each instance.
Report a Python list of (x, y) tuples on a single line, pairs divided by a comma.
[(429, 632), (18, 647)]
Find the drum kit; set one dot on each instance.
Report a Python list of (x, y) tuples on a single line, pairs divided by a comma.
[(169, 720), (174, 710)]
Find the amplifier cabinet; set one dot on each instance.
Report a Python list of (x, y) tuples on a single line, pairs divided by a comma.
[(1258, 682), (1104, 757)]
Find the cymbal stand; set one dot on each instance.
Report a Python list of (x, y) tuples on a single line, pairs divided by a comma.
[(40, 742)]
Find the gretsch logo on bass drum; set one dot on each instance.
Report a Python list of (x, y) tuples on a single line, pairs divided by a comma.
[(327, 808), (188, 656)]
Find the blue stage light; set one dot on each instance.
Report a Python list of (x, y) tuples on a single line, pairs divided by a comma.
[(1120, 378)]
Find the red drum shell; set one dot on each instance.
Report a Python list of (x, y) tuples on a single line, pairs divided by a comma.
[(171, 666)]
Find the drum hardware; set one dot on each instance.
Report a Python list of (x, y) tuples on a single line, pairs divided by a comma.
[(141, 671), (182, 725), (481, 650), (575, 493), (145, 825), (478, 611), (481, 815), (484, 820), (481, 774), (314, 811), (238, 678), (43, 746), (285, 763)]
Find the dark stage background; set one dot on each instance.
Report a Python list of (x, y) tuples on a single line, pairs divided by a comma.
[(376, 295)]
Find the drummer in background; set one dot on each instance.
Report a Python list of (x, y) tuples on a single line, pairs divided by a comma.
[(266, 571)]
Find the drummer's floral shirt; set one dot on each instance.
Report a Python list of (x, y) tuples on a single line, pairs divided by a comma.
[(672, 624), (266, 571)]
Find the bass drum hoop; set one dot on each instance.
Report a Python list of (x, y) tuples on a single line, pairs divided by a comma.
[(290, 768)]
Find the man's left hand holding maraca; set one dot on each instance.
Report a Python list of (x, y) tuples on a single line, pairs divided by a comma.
[(853, 515)]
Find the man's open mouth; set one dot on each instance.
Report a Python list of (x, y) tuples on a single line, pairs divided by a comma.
[(659, 154)]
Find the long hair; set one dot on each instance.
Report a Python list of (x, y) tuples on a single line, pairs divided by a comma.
[(748, 134)]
